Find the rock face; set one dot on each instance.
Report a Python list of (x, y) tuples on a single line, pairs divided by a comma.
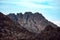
[(32, 22), (11, 31), (27, 26)]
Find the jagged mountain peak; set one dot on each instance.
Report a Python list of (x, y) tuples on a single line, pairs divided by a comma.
[(31, 28), (34, 22), (19, 14), (9, 30), (37, 13)]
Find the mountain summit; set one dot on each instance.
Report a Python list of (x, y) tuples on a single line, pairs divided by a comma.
[(34, 22), (27, 26)]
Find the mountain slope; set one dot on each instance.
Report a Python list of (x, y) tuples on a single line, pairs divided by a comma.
[(33, 22), (50, 33), (11, 29)]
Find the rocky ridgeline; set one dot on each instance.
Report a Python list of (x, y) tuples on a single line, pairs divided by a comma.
[(34, 22), (27, 26)]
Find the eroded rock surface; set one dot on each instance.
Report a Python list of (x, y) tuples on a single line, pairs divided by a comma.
[(27, 26), (34, 22)]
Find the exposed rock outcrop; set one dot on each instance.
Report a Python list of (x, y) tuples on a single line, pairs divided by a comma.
[(12, 31), (27, 26), (33, 22)]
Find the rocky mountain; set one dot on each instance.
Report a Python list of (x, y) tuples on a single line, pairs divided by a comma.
[(27, 26), (32, 22), (9, 30)]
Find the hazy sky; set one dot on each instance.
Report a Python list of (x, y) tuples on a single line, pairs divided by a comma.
[(49, 8)]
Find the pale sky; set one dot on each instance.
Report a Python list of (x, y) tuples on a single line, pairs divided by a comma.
[(49, 8)]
